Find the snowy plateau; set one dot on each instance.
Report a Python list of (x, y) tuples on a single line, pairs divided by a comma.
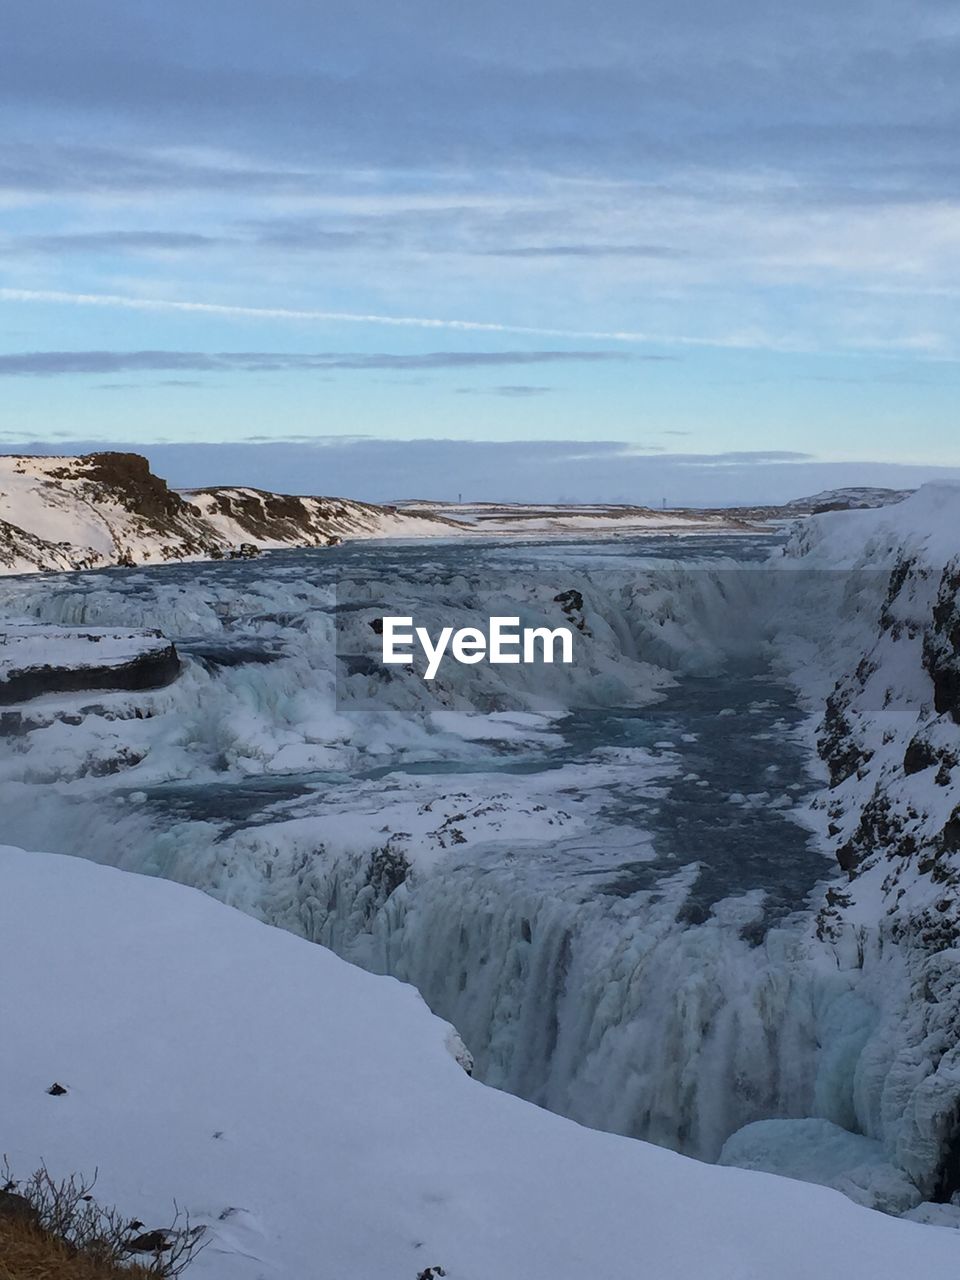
[(643, 966)]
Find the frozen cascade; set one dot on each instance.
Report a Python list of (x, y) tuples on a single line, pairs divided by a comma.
[(499, 871)]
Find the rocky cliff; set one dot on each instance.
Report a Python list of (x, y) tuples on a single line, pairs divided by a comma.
[(890, 738), (105, 509)]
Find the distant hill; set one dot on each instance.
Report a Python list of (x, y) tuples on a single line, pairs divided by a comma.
[(851, 499)]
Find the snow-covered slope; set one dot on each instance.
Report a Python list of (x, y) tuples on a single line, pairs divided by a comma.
[(110, 509), (315, 1120), (270, 520), (64, 513), (87, 512)]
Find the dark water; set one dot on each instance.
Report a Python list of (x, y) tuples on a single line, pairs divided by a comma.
[(732, 735)]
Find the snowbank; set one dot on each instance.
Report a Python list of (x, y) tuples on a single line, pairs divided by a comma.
[(313, 1118), (926, 524)]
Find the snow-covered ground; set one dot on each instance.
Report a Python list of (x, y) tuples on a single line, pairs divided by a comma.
[(512, 519), (315, 1119)]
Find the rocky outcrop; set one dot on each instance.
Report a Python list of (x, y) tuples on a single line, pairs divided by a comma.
[(890, 737), (891, 741), (107, 509), (93, 511), (941, 647), (35, 661)]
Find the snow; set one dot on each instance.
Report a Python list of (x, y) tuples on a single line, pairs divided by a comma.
[(924, 523), (855, 496), (313, 1119), (518, 519), (60, 513), (30, 503), (508, 848), (334, 516), (25, 646)]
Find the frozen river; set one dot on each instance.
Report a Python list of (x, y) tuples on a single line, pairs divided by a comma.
[(600, 874)]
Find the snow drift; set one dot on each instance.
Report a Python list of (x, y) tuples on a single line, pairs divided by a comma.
[(314, 1120)]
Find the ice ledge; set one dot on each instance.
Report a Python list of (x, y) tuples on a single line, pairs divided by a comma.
[(37, 660)]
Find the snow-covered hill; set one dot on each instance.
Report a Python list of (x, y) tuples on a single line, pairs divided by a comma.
[(110, 509), (539, 519), (316, 1121), (273, 520), (853, 498)]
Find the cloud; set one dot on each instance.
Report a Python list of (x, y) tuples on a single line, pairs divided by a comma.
[(517, 470), (51, 168), (150, 385), (60, 363), (289, 313), (517, 390), (661, 174), (654, 251), (430, 84), (743, 340), (113, 242)]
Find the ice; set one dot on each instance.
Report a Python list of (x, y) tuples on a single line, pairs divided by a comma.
[(818, 1151)]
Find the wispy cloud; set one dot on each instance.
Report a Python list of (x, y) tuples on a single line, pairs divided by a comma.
[(114, 300), (112, 242), (751, 340), (60, 363), (516, 390), (654, 251)]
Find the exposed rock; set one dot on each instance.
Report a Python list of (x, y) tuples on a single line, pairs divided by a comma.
[(36, 660), (941, 647), (571, 602)]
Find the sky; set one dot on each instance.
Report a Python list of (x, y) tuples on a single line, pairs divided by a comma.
[(652, 249)]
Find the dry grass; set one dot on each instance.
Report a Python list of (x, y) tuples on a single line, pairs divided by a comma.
[(27, 1253), (55, 1230)]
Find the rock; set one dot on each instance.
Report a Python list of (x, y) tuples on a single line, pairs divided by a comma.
[(148, 1242), (37, 660), (17, 1208)]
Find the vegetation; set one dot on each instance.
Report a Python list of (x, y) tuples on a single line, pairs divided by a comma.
[(52, 1230)]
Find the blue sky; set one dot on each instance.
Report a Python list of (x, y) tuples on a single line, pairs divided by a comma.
[(715, 248)]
